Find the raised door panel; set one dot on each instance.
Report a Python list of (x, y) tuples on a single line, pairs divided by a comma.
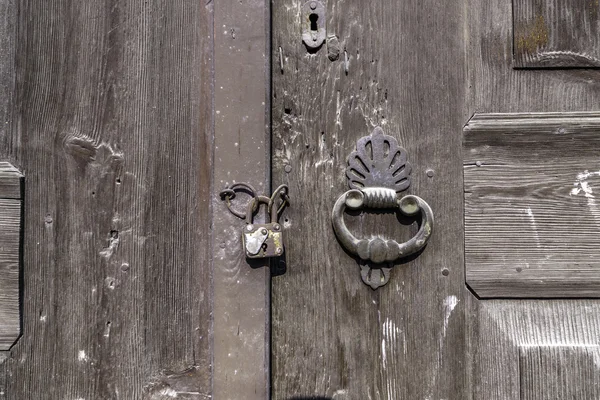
[(531, 219)]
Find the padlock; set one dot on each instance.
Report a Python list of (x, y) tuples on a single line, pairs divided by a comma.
[(262, 240)]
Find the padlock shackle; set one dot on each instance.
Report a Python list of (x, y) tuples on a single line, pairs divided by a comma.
[(254, 205)]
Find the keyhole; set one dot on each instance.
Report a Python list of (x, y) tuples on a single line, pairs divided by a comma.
[(313, 22)]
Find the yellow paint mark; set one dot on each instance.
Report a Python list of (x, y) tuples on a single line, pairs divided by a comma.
[(594, 6), (535, 38)]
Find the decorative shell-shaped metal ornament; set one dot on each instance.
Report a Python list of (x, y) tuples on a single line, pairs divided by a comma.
[(378, 161)]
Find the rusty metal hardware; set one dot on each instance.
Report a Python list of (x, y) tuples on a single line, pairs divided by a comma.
[(377, 171), (313, 24), (260, 240)]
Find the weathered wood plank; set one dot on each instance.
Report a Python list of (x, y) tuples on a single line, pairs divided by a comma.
[(111, 123), (7, 69), (11, 181), (242, 151), (497, 327), (559, 372), (10, 256), (333, 336), (501, 329), (531, 219), (556, 33)]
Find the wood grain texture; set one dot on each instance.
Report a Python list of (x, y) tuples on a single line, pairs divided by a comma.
[(111, 122), (501, 329), (531, 218), (242, 149), (333, 336), (556, 33), (7, 67), (559, 372), (11, 181), (497, 327), (10, 254)]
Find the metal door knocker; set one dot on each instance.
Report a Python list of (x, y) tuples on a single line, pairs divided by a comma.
[(376, 172), (260, 240)]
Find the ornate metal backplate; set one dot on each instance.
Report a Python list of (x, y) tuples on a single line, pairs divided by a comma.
[(378, 161)]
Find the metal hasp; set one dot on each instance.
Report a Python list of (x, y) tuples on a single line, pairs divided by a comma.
[(313, 24), (376, 172), (260, 240)]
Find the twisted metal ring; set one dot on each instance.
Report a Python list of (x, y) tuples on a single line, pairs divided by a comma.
[(378, 250)]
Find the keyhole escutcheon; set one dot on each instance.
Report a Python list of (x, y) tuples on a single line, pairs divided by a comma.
[(313, 29)]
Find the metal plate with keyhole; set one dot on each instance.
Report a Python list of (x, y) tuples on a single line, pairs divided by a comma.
[(313, 24)]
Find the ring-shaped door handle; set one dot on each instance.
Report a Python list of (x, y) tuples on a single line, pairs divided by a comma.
[(378, 250), (377, 171)]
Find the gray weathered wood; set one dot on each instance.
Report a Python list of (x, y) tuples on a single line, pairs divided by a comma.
[(496, 328), (559, 372), (556, 33), (10, 254), (111, 123), (501, 331), (7, 67), (242, 150), (531, 219), (10, 181), (333, 336)]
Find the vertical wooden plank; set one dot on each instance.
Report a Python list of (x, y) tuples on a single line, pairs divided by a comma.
[(500, 330), (112, 123), (559, 372), (333, 336), (11, 205), (242, 149), (7, 69), (8, 13)]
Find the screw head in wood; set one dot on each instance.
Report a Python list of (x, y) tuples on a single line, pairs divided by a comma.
[(313, 5)]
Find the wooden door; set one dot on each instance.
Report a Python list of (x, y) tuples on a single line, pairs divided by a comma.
[(106, 109), (489, 100)]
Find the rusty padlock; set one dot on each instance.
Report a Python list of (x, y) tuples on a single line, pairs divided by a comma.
[(262, 240)]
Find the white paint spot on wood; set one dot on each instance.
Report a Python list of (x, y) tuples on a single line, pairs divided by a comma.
[(338, 110), (383, 355), (168, 392), (449, 304), (534, 226), (582, 186), (390, 334), (82, 356)]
